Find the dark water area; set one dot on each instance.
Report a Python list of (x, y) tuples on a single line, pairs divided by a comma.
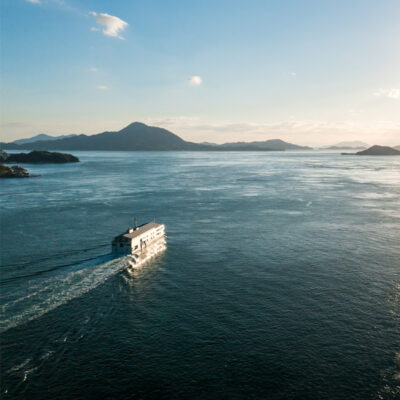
[(281, 278)]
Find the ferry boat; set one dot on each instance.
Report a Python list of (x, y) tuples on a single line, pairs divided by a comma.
[(140, 243)]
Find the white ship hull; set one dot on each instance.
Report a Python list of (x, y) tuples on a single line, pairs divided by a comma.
[(139, 258)]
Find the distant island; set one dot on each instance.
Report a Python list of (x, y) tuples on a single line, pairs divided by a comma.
[(349, 145), (273, 144), (40, 138), (376, 151), (37, 157), (140, 137), (34, 157), (14, 172), (343, 148)]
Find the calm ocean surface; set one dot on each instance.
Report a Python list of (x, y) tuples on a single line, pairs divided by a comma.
[(281, 278)]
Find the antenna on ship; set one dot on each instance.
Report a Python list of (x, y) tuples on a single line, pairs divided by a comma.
[(135, 223)]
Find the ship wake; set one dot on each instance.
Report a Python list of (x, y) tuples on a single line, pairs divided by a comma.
[(41, 296)]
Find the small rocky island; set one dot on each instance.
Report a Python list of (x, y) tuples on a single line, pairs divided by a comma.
[(376, 151), (14, 172), (34, 157), (37, 157)]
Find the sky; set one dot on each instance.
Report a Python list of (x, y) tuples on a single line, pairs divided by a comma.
[(313, 72)]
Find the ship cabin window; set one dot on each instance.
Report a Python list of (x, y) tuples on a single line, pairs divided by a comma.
[(121, 245)]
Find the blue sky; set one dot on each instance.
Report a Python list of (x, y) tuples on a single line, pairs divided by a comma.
[(310, 71)]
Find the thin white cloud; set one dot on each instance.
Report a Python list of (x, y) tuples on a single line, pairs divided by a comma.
[(94, 69), (181, 121), (113, 25), (94, 29), (394, 93), (311, 132), (388, 93), (101, 87), (195, 80), (14, 124), (33, 1)]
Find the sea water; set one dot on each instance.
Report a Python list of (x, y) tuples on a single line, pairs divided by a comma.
[(280, 280)]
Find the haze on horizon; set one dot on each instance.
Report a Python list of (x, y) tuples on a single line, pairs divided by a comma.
[(309, 72)]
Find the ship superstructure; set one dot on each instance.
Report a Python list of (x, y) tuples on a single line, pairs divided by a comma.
[(138, 238)]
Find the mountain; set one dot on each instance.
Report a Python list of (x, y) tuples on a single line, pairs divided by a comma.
[(40, 138), (138, 136), (397, 147), (379, 151), (273, 144), (343, 148), (209, 144), (348, 145)]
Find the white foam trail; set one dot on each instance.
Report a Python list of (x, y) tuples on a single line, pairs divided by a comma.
[(29, 371), (19, 366), (58, 290)]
